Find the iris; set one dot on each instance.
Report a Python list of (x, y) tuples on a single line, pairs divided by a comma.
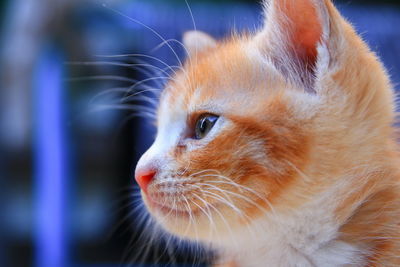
[(204, 125)]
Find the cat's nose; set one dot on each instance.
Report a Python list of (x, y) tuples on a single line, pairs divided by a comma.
[(144, 177)]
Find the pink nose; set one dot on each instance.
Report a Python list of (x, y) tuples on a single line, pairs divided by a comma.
[(144, 177)]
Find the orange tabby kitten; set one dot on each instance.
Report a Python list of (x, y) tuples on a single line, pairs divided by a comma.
[(279, 149)]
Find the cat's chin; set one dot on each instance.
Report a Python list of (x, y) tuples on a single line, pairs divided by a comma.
[(181, 223), (176, 222), (164, 210)]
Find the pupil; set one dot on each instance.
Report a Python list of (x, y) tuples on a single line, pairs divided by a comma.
[(203, 126)]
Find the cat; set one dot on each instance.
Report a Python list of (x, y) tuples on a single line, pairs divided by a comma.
[(278, 148)]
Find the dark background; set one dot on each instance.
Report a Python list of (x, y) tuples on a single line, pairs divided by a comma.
[(68, 145)]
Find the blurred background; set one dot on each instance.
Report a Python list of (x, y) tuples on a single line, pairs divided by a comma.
[(71, 132)]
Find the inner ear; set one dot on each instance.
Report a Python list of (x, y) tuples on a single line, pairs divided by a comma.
[(197, 42), (292, 33), (304, 30)]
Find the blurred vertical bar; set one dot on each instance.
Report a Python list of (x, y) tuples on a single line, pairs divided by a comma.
[(50, 161)]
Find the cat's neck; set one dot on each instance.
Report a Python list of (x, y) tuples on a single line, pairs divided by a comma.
[(374, 227), (317, 235)]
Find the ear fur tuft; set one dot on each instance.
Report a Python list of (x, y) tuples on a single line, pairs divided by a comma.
[(197, 42)]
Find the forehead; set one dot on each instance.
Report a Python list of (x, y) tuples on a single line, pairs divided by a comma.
[(229, 78)]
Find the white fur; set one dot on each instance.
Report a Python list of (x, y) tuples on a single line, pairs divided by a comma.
[(301, 238), (171, 124)]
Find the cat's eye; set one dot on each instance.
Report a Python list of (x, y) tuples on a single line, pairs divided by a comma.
[(204, 125)]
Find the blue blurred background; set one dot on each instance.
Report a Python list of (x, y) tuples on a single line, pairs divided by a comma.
[(69, 145)]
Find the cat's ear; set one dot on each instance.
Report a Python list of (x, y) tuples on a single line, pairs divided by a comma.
[(197, 41), (292, 34)]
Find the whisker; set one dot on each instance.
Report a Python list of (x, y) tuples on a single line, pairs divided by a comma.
[(220, 198), (132, 107), (191, 15), (168, 41), (147, 27), (125, 90), (145, 68), (208, 213), (172, 68), (102, 77), (138, 83), (224, 221)]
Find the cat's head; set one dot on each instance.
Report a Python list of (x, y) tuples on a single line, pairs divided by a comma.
[(252, 125)]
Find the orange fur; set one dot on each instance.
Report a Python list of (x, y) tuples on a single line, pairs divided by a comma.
[(284, 152)]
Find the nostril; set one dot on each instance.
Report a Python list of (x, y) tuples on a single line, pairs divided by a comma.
[(143, 178)]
